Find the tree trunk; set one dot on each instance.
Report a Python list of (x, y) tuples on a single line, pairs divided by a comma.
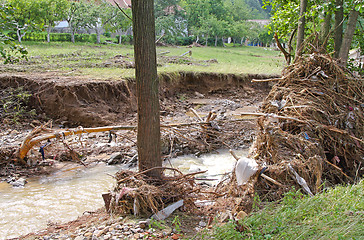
[(338, 33), (148, 136), (120, 37), (325, 29), (348, 37), (72, 36), (301, 27), (18, 33), (97, 30), (223, 44), (207, 37), (215, 41), (48, 34)]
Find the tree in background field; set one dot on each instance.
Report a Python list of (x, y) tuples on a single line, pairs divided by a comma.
[(9, 51), (74, 16), (24, 17), (96, 17), (116, 21), (170, 18), (51, 13)]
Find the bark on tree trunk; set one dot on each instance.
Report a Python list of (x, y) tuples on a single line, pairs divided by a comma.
[(348, 37), (19, 35), (97, 30), (148, 136), (325, 30), (215, 41), (207, 37), (48, 34), (301, 27), (338, 33)]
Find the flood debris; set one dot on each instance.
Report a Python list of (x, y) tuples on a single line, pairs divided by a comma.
[(138, 194), (312, 130)]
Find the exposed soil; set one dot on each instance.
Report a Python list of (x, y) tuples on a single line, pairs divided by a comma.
[(72, 102)]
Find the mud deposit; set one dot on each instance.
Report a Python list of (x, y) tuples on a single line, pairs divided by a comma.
[(76, 102), (71, 102)]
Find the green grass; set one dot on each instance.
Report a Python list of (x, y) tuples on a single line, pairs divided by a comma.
[(335, 214), (97, 60)]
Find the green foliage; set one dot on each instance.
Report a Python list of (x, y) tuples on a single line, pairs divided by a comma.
[(115, 21), (334, 214), (79, 59), (25, 16), (14, 104), (57, 37), (159, 224), (226, 232), (10, 52), (177, 223)]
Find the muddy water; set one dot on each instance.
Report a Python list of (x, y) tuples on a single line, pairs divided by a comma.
[(57, 198), (69, 193), (216, 164)]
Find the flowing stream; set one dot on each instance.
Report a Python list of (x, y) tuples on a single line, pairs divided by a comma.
[(68, 193)]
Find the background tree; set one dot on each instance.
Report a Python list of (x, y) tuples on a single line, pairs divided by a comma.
[(51, 13), (117, 22), (25, 16), (148, 136), (9, 51), (74, 18), (97, 16)]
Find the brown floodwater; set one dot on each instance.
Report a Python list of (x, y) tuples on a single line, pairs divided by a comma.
[(68, 193)]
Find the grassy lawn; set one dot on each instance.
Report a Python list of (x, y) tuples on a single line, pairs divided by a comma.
[(108, 61), (335, 214)]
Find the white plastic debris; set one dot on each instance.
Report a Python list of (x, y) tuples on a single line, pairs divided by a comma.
[(245, 168), (164, 213), (301, 181)]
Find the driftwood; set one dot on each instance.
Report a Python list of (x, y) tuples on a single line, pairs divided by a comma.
[(43, 133)]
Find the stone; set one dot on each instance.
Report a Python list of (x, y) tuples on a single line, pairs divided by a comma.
[(241, 215), (88, 234), (107, 237), (224, 217), (127, 233), (115, 158), (202, 224), (19, 183), (143, 224), (79, 238)]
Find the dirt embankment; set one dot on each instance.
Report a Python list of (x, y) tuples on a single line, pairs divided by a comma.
[(74, 102)]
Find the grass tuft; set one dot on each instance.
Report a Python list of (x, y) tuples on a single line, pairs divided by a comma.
[(113, 61), (334, 214)]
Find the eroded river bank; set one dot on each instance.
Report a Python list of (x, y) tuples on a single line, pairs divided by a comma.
[(78, 102)]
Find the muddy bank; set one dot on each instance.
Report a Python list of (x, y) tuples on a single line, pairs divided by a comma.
[(73, 102)]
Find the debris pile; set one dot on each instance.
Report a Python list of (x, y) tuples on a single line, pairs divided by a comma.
[(138, 194), (313, 128)]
